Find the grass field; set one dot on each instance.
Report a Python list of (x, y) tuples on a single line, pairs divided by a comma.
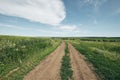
[(105, 56), (22, 53)]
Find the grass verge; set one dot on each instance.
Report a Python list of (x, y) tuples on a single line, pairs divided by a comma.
[(106, 63), (34, 54)]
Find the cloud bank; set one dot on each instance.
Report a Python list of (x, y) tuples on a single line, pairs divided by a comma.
[(44, 11), (68, 27)]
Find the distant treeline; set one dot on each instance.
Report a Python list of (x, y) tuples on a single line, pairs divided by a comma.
[(101, 39), (98, 39)]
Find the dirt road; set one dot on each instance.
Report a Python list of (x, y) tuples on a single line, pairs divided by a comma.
[(49, 68), (81, 70)]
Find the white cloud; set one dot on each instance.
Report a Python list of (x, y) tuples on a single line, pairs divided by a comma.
[(68, 27), (44, 11), (72, 30)]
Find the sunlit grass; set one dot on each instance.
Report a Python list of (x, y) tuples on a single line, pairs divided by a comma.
[(105, 57), (23, 52)]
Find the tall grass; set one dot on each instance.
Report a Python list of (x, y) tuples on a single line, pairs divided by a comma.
[(105, 56), (23, 52)]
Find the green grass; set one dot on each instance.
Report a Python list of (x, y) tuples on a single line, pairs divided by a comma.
[(105, 57), (95, 39), (66, 72), (23, 52)]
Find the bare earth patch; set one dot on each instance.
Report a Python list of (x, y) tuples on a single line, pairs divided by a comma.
[(49, 68), (81, 70)]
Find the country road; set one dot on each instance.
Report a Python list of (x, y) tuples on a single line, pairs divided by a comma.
[(49, 68)]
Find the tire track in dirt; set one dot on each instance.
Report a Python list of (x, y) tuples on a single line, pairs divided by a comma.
[(81, 70), (49, 68)]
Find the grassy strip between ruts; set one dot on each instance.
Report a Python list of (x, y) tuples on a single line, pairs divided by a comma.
[(66, 71)]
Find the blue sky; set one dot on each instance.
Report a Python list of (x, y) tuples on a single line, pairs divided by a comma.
[(60, 18)]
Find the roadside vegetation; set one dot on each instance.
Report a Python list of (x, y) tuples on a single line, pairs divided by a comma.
[(18, 55), (105, 57), (66, 71)]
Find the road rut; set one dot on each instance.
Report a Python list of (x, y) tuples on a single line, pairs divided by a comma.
[(49, 68), (81, 70)]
